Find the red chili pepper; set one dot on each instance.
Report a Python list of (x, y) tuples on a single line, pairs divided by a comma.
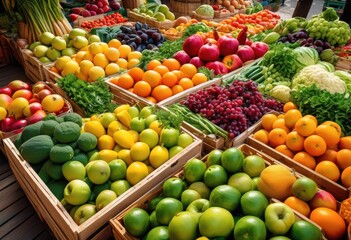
[(242, 36)]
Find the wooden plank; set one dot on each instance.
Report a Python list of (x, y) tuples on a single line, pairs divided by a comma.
[(4, 168), (26, 229), (7, 180), (13, 193), (45, 235), (14, 223), (13, 210)]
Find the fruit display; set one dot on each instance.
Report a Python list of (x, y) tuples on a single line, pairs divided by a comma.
[(227, 194), (93, 8), (108, 20), (160, 80), (50, 47), (88, 163), (154, 11), (22, 104), (231, 6), (98, 60)]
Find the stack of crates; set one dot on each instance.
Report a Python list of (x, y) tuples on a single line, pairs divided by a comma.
[(338, 5)]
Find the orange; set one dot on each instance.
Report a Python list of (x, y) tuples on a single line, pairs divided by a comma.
[(294, 141), (329, 170), (298, 205), (199, 78), (122, 63), (152, 77), (315, 145), (343, 158), (136, 73), (305, 126), (161, 92), (112, 54), (334, 125), (305, 159), (171, 64), (283, 149), (281, 116), (114, 43), (114, 80), (332, 224), (268, 120), (151, 99), (346, 177), (161, 70), (312, 117), (125, 81), (100, 60), (280, 123), (188, 69), (289, 105), (152, 64), (124, 50), (142, 89), (277, 137), (186, 83), (345, 142), (329, 155), (328, 133), (291, 117), (169, 79), (134, 55), (178, 73), (262, 136), (177, 89), (132, 63)]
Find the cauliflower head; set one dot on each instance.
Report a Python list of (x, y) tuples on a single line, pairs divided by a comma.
[(321, 77), (281, 93)]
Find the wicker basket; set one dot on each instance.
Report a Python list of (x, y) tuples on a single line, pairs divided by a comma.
[(130, 4)]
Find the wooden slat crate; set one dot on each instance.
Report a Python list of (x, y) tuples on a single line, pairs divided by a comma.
[(119, 232), (51, 210), (33, 68), (132, 16), (343, 64), (49, 75), (339, 191)]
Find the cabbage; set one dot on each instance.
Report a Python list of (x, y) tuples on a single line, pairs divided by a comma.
[(205, 10), (305, 56)]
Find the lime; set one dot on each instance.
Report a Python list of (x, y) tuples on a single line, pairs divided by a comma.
[(215, 175), (188, 196), (232, 159), (137, 222), (153, 220), (158, 233), (194, 170), (173, 187), (214, 157), (118, 169), (166, 209), (120, 186)]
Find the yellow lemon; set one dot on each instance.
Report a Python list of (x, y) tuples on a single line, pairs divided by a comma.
[(104, 46), (95, 128), (80, 75), (135, 135), (108, 155), (70, 67), (100, 60), (111, 68), (132, 63), (112, 54), (124, 154), (122, 63), (95, 48), (156, 126), (106, 142), (85, 66), (114, 126), (136, 172), (3, 113), (61, 61), (124, 50), (79, 56), (114, 43), (139, 151), (95, 73), (150, 168), (134, 55), (158, 156)]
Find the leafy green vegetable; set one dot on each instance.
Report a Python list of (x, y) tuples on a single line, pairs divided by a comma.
[(194, 28), (169, 119), (329, 14), (324, 105), (91, 97), (106, 33)]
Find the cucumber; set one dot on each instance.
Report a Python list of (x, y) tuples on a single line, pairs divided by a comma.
[(256, 70)]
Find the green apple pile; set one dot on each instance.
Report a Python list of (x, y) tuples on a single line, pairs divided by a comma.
[(51, 47), (155, 12), (217, 199)]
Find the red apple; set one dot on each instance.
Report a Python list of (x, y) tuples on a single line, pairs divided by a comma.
[(18, 124), (227, 45), (31, 109), (33, 100), (192, 45), (232, 62), (106, 8), (19, 84), (246, 53), (5, 100), (27, 94), (105, 2), (182, 57), (197, 62), (6, 90), (260, 48), (36, 117), (38, 87), (217, 67), (323, 199), (5, 125), (43, 93), (94, 8), (100, 4), (209, 52)]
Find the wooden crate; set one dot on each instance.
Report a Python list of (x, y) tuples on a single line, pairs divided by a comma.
[(33, 68), (50, 209), (16, 51), (132, 16), (119, 232), (339, 192), (343, 64)]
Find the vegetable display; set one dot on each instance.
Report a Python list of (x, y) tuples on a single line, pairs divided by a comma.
[(108, 20)]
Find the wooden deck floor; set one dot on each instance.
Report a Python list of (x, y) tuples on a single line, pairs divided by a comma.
[(18, 219)]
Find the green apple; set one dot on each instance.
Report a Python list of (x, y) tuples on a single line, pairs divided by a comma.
[(80, 42), (107, 118), (279, 217), (59, 43), (53, 54), (150, 137), (250, 227), (146, 111), (149, 119), (45, 59), (304, 188), (94, 38), (104, 198), (33, 45), (184, 226), (225, 196), (46, 38), (232, 159), (173, 187), (137, 124), (133, 111), (66, 38), (188, 196), (174, 151), (169, 137), (216, 222), (253, 165), (77, 32), (118, 169), (73, 170), (40, 51), (241, 181), (167, 208), (304, 230), (136, 221), (194, 170), (98, 171), (201, 188), (68, 52), (185, 139), (84, 212), (198, 205), (120, 186), (254, 203), (215, 175), (77, 192)]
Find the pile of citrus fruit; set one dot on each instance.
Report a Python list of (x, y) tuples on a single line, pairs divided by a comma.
[(320, 147), (97, 60), (160, 80)]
